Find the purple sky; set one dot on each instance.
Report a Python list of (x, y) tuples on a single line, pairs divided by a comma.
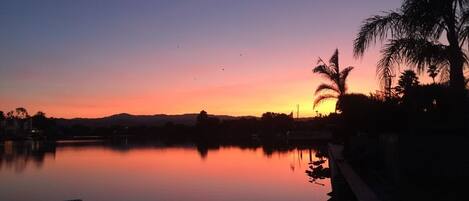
[(96, 58)]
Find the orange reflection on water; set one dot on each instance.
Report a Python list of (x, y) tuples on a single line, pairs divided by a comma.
[(96, 173)]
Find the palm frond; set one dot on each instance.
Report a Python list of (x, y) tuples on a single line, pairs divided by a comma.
[(444, 75), (326, 87), (426, 18), (320, 99), (464, 4), (334, 61), (466, 79), (325, 71), (464, 35), (415, 52), (415, 31), (345, 72), (343, 79), (464, 19), (376, 27), (464, 23)]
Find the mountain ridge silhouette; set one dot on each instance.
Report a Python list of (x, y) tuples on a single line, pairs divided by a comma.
[(126, 119)]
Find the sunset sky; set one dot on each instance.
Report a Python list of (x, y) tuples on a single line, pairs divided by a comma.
[(96, 58)]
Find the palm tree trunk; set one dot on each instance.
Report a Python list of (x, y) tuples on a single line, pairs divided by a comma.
[(456, 61), (456, 75)]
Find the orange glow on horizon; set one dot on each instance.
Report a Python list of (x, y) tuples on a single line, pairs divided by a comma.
[(232, 91)]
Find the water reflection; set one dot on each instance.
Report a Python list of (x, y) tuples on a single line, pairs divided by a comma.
[(20, 155), (318, 169), (93, 170)]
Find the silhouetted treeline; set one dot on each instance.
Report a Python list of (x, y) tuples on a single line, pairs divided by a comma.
[(207, 129), (18, 124), (420, 109), (125, 119)]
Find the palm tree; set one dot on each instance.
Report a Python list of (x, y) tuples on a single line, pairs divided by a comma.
[(413, 34), (432, 72), (338, 79)]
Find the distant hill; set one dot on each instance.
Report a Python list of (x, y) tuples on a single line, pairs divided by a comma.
[(125, 119)]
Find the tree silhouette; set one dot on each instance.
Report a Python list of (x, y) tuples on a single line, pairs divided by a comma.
[(2, 118), (274, 122), (202, 117), (338, 79), (413, 35), (407, 81), (432, 72), (204, 121), (21, 113), (10, 115), (40, 120)]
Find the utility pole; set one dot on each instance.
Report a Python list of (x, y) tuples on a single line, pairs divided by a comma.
[(297, 111)]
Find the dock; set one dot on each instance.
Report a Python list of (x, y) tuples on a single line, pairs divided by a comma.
[(359, 188)]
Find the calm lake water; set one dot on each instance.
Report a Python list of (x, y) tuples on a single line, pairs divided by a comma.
[(96, 171)]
